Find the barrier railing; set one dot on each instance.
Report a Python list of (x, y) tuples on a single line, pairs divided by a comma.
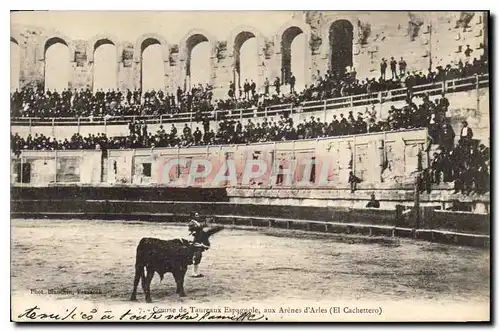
[(436, 88)]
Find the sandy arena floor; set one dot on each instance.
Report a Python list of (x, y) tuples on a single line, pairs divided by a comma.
[(266, 267)]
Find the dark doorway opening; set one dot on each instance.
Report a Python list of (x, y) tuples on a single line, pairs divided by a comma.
[(341, 37), (286, 52), (23, 173)]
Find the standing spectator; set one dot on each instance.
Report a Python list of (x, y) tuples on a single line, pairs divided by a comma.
[(266, 87), (424, 181), (465, 135), (129, 96), (482, 180), (436, 168), (433, 127), (292, 83), (206, 124), (467, 53), (179, 95), (246, 89), (197, 136), (485, 154), (343, 125), (394, 64), (131, 128), (447, 138), (232, 90), (253, 88), (186, 130), (402, 67), (279, 176), (383, 67), (277, 85), (444, 103)]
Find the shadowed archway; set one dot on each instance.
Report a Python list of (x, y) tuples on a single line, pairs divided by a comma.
[(340, 36)]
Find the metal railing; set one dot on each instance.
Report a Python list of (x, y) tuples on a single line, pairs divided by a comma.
[(436, 88)]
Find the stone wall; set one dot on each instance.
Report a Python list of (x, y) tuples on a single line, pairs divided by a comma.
[(390, 157), (388, 194), (44, 167), (419, 37)]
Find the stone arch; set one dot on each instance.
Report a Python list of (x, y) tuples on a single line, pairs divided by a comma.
[(188, 42), (92, 45), (99, 40), (282, 48), (325, 32), (241, 34), (306, 29), (150, 39), (16, 36), (53, 38), (236, 39), (49, 42), (193, 38)]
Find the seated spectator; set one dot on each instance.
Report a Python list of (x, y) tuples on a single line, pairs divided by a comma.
[(353, 181), (373, 203), (456, 205)]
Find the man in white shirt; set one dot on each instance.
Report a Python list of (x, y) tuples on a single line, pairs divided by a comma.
[(466, 135)]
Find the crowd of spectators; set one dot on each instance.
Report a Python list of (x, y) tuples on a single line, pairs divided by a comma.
[(467, 164), (29, 102), (430, 114)]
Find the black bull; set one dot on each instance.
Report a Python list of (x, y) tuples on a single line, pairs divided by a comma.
[(162, 256)]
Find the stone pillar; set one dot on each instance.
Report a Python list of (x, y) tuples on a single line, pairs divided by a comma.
[(39, 70), (166, 74), (213, 69), (224, 74), (181, 70), (136, 69)]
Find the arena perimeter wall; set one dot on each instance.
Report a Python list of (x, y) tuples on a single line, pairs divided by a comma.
[(150, 204)]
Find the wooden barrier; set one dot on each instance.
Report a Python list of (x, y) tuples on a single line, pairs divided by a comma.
[(369, 222), (118, 193)]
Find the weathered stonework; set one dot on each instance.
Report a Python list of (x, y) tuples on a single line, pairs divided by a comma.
[(422, 38)]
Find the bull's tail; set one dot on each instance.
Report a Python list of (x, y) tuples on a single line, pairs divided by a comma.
[(139, 270), (139, 273)]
